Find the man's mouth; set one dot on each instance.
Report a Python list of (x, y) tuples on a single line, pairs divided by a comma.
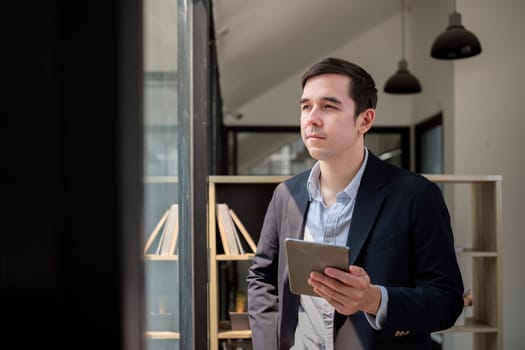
[(315, 136)]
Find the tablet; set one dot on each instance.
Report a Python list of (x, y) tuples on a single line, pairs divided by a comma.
[(304, 257)]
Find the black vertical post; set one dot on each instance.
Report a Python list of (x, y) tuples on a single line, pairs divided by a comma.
[(194, 116), (202, 161)]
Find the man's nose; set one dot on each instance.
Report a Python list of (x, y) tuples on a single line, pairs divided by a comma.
[(314, 116)]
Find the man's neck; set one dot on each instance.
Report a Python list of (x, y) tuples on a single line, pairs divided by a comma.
[(336, 175)]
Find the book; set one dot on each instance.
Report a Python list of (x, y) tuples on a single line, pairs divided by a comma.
[(243, 230), (235, 232), (175, 237), (161, 240), (168, 227), (232, 230), (240, 247), (227, 230), (171, 230), (221, 223), (155, 232)]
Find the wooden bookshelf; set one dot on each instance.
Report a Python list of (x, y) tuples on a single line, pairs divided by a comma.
[(248, 196), (486, 322)]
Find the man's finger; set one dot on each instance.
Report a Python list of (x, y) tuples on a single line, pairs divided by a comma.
[(357, 271)]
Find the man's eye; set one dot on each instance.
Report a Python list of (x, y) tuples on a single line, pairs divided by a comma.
[(329, 107), (305, 108)]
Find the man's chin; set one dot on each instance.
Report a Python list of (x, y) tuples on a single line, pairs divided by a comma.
[(316, 154)]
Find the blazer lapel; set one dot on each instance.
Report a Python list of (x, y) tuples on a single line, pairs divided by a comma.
[(368, 202), (297, 207)]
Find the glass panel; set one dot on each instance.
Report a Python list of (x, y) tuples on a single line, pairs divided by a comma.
[(429, 145), (161, 159), (388, 147), (432, 150), (282, 154), (263, 152)]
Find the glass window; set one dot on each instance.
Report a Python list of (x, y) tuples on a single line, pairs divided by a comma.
[(161, 163), (429, 145), (281, 151)]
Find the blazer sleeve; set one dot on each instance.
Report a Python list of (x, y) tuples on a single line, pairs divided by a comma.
[(263, 299)]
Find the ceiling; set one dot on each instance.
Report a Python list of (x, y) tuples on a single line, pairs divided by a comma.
[(261, 43)]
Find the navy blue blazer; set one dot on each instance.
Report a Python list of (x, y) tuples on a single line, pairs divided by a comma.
[(400, 234)]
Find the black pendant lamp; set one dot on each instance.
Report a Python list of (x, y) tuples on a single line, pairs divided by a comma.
[(402, 82), (455, 42)]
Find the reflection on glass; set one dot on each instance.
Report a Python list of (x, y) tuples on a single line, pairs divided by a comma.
[(271, 154), (263, 152), (387, 147), (432, 151), (160, 167), (429, 145)]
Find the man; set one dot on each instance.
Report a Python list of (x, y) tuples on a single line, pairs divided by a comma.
[(403, 281)]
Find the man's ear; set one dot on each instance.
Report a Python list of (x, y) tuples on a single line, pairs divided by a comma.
[(365, 120)]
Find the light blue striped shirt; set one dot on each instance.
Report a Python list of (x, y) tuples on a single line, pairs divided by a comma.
[(328, 225)]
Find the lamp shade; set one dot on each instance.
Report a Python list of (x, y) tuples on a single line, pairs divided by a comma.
[(402, 82), (455, 42)]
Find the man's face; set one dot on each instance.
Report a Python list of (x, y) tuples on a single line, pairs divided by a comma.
[(328, 127)]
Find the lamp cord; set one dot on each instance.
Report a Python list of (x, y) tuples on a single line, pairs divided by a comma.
[(403, 29)]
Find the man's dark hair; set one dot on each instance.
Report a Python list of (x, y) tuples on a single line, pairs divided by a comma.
[(362, 87)]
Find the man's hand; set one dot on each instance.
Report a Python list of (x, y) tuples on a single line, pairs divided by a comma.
[(348, 292)]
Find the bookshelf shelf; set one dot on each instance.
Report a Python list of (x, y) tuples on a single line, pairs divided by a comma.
[(478, 254), (152, 257), (244, 334), (224, 257), (472, 326), (162, 335)]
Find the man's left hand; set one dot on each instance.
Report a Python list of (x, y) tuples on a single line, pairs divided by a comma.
[(347, 291)]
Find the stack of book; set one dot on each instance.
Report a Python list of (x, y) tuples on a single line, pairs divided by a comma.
[(168, 228), (229, 227)]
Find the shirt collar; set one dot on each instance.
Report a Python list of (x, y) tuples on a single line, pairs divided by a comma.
[(350, 190)]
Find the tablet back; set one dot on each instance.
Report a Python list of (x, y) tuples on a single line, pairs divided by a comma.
[(304, 257)]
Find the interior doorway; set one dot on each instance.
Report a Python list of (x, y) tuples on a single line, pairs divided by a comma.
[(429, 145)]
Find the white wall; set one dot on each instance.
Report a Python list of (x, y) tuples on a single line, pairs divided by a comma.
[(378, 51), (489, 129), (428, 19)]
